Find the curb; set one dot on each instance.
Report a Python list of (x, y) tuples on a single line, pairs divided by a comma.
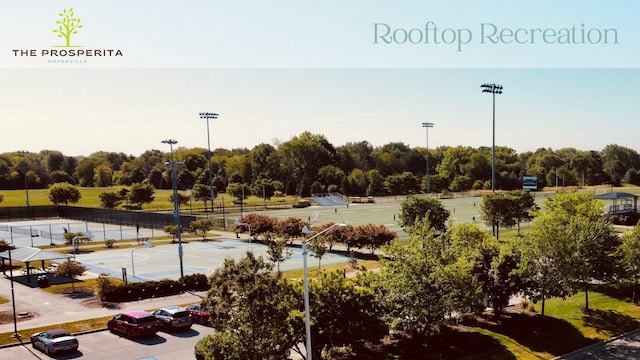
[(25, 343), (601, 343)]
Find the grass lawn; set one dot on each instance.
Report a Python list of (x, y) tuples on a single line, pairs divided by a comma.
[(90, 198)]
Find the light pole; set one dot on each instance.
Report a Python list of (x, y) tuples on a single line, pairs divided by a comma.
[(208, 116), (176, 202), (15, 334), (307, 315), (427, 125), (493, 89), (26, 180)]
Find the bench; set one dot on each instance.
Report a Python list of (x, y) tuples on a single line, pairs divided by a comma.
[(142, 240)]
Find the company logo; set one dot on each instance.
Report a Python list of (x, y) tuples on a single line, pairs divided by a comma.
[(67, 26)]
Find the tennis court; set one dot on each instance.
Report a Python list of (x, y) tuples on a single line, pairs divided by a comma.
[(162, 262)]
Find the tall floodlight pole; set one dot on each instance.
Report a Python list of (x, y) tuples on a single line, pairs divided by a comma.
[(26, 180), (307, 315), (208, 116), (176, 202), (493, 89), (427, 125)]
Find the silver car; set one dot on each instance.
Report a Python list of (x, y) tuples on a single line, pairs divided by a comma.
[(54, 341), (173, 317)]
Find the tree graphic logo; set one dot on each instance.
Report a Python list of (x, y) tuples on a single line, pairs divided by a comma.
[(67, 25)]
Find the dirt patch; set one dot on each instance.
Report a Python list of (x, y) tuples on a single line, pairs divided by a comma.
[(7, 317), (95, 303)]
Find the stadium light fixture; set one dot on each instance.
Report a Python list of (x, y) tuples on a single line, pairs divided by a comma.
[(208, 115), (493, 89), (427, 125)]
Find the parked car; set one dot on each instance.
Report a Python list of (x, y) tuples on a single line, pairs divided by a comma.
[(173, 317), (199, 315), (134, 324), (54, 341)]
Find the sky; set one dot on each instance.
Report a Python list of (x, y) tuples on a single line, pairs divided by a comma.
[(273, 70)]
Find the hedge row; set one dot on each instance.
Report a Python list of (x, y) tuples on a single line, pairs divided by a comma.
[(151, 289)]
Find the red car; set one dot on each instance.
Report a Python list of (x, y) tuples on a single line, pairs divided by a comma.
[(199, 315), (134, 324)]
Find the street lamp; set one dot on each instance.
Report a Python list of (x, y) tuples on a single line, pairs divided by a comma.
[(427, 125), (493, 89), (15, 334), (26, 180), (208, 116), (307, 315), (176, 202)]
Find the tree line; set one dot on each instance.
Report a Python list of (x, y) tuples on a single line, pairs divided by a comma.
[(308, 163)]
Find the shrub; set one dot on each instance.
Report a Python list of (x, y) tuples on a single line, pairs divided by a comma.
[(109, 242), (150, 289)]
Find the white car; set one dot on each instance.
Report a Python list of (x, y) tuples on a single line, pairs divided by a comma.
[(54, 341), (173, 317)]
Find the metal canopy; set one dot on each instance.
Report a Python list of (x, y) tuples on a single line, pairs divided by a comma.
[(29, 254)]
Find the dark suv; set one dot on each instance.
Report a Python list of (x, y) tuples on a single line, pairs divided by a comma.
[(134, 324), (173, 317)]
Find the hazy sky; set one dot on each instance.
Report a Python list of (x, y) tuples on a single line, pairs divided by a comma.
[(275, 69)]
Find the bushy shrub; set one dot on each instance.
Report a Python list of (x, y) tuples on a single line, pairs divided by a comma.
[(150, 289)]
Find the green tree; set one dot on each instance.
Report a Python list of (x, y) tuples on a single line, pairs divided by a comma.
[(491, 263), (345, 314), (103, 176), (63, 193), (595, 247), (564, 249), (141, 193), (417, 208), (303, 156), (259, 313), (70, 269), (110, 199), (202, 193), (319, 249), (171, 230), (202, 227), (506, 209), (417, 291), (183, 200), (630, 256), (68, 25), (278, 252)]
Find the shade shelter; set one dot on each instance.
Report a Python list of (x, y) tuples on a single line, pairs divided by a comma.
[(29, 255), (623, 203)]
